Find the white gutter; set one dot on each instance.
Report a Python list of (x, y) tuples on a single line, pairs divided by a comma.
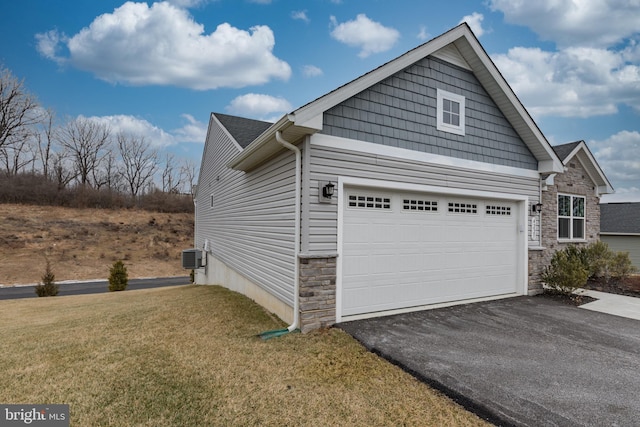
[(296, 287)]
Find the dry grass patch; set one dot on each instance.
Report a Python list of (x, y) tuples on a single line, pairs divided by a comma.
[(84, 243), (190, 356)]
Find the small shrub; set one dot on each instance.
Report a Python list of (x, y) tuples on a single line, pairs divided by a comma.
[(48, 287), (620, 265), (566, 273), (118, 277), (598, 258)]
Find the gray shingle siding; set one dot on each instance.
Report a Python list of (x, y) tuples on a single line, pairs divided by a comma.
[(401, 112), (250, 226)]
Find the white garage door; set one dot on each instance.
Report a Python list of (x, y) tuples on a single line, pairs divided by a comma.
[(410, 249)]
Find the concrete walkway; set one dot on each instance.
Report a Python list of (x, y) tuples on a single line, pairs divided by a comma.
[(618, 305)]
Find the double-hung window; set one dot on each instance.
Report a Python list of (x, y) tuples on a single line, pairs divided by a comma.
[(571, 217), (450, 112)]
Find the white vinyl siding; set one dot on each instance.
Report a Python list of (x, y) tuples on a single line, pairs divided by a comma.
[(251, 225), (327, 164)]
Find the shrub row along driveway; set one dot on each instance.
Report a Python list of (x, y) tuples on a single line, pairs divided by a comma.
[(522, 361)]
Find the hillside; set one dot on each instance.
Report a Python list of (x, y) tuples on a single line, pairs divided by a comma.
[(84, 243)]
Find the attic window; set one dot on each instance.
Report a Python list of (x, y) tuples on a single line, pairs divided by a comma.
[(450, 112)]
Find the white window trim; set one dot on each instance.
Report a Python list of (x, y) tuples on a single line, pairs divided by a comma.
[(571, 218), (446, 127)]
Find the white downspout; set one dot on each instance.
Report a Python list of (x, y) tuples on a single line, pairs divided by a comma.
[(296, 287)]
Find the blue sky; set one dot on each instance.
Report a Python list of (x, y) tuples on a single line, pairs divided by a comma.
[(159, 69)]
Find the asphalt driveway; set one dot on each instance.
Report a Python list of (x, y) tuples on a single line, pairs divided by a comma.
[(526, 361)]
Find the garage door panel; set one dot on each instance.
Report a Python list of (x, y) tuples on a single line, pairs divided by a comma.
[(395, 258)]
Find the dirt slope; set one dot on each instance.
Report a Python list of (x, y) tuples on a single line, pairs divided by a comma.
[(84, 243)]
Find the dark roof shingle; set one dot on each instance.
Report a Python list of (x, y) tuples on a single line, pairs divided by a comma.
[(620, 218), (563, 150), (244, 131)]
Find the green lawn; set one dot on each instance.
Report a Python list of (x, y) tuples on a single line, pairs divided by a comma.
[(189, 356)]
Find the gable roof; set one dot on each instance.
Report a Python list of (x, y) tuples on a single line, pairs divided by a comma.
[(458, 45), (579, 150), (620, 218), (244, 131), (563, 150)]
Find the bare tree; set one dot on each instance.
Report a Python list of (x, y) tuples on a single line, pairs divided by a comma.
[(19, 110), (86, 142), (45, 142), (188, 171), (139, 162), (62, 174), (171, 180), (16, 156)]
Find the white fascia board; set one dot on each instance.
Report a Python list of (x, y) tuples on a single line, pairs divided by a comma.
[(308, 112), (432, 189), (553, 163), (600, 179), (613, 233), (550, 166), (406, 154)]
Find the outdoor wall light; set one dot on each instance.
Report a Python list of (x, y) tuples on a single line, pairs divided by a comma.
[(537, 208), (327, 190)]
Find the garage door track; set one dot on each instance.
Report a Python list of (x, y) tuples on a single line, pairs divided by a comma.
[(525, 361)]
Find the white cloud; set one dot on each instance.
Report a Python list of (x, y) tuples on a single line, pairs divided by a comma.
[(619, 157), (311, 71), (475, 22), (369, 36), (192, 131), (48, 44), (573, 82), (423, 34), (135, 126), (577, 22), (189, 3), (163, 45), (259, 106), (300, 15)]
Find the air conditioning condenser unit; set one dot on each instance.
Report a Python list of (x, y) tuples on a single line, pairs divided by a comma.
[(191, 259)]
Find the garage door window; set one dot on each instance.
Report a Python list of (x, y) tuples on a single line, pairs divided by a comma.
[(571, 218), (369, 202), (498, 210), (463, 208), (415, 205)]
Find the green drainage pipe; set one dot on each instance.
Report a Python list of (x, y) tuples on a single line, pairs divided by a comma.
[(276, 333)]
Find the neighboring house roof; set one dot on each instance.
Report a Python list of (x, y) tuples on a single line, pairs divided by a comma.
[(620, 218), (244, 131), (460, 46), (581, 152)]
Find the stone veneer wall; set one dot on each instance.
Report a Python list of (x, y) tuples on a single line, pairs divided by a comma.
[(317, 291), (574, 181)]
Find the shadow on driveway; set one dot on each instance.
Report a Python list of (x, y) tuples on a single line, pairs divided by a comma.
[(525, 361)]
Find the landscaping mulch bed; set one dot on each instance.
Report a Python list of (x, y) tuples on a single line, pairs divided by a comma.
[(574, 300), (629, 286)]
